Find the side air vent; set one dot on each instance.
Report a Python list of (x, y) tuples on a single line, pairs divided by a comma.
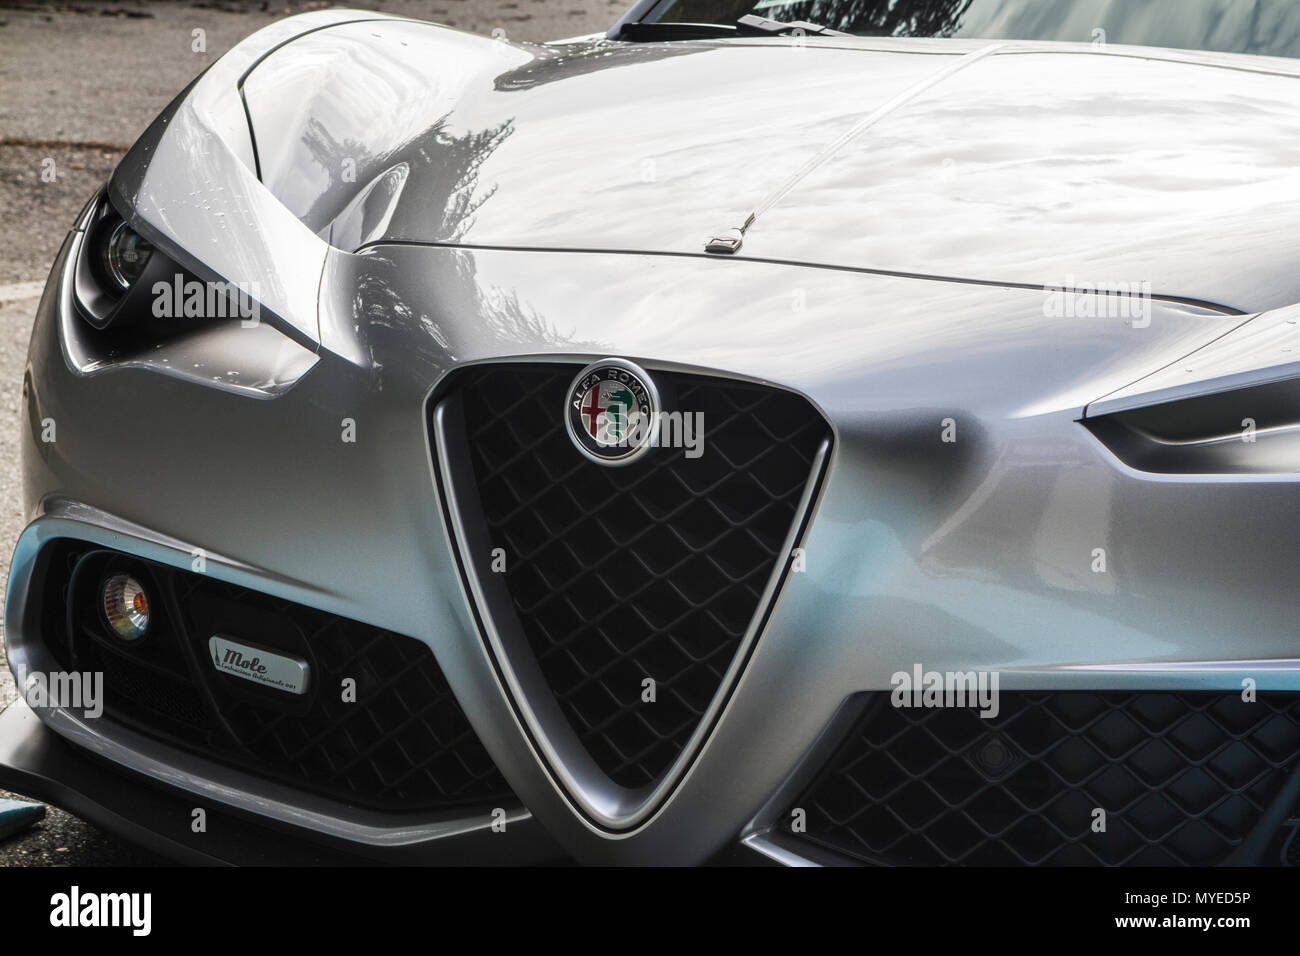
[(660, 570), (1254, 430)]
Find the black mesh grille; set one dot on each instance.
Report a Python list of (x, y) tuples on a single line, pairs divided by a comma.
[(402, 743), (1183, 778), (652, 570), (158, 696), (1291, 845)]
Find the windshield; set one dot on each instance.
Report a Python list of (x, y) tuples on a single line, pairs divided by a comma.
[(1267, 27)]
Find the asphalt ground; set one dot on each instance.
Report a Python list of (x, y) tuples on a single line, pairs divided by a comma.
[(78, 83)]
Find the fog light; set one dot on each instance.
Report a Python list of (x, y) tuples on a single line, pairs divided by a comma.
[(126, 606)]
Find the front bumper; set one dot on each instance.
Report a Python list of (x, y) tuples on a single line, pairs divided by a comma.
[(142, 810)]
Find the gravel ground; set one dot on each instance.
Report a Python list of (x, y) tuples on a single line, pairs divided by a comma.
[(78, 83)]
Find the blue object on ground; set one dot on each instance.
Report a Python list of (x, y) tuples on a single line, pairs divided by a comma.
[(16, 815)]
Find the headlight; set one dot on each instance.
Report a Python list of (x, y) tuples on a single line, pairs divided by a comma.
[(123, 256), (125, 286), (115, 269), (130, 302)]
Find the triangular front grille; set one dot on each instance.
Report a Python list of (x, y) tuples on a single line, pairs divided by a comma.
[(656, 570)]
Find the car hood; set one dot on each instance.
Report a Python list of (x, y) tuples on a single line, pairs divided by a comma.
[(1043, 164)]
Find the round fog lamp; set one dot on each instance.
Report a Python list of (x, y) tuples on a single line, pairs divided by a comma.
[(126, 606)]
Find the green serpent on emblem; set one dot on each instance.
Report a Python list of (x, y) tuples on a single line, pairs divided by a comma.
[(616, 413)]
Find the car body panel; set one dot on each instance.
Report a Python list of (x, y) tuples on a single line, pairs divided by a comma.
[(1260, 351), (1041, 164)]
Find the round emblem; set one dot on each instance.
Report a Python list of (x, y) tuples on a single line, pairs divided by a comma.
[(612, 412)]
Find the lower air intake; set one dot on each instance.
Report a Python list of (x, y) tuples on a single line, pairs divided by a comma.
[(399, 743), (1184, 780)]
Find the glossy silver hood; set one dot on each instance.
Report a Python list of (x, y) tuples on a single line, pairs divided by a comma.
[(1043, 164)]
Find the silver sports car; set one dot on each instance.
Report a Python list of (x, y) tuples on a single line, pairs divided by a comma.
[(814, 432)]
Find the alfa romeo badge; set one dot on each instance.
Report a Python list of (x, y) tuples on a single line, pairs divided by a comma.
[(612, 411)]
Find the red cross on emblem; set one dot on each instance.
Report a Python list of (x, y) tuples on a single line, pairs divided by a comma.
[(591, 410)]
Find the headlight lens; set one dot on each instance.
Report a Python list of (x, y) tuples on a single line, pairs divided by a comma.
[(124, 255)]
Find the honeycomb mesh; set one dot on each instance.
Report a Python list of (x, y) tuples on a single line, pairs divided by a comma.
[(1182, 779), (651, 570), (402, 742)]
